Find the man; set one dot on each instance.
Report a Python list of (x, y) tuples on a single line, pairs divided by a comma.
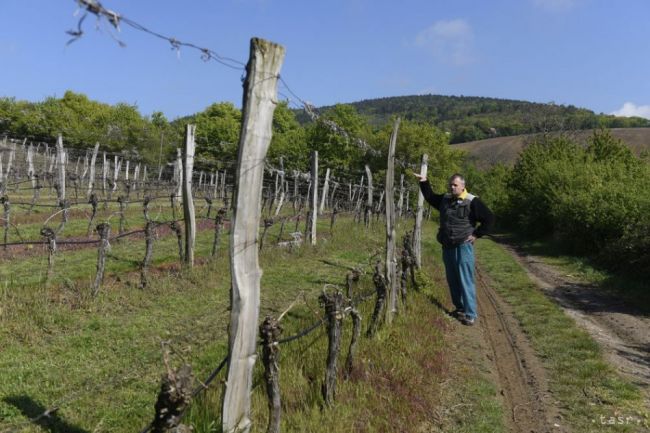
[(460, 212)]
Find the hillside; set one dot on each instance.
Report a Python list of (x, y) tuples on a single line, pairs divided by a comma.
[(469, 118), (485, 153)]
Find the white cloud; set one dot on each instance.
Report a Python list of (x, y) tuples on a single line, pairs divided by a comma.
[(448, 41), (630, 109), (556, 5)]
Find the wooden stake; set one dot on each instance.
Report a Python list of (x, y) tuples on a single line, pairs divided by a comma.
[(60, 152), (326, 187), (91, 178), (260, 93), (417, 231), (368, 211), (391, 262), (313, 202), (188, 202)]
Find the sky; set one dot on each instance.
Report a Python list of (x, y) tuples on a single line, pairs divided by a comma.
[(593, 54)]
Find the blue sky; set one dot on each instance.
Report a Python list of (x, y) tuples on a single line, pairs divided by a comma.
[(588, 53)]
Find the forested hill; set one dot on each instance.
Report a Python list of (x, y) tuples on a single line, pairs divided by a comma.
[(469, 118)]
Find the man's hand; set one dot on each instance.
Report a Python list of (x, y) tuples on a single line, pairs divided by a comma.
[(470, 239), (420, 177)]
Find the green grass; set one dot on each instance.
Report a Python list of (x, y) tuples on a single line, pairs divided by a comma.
[(585, 386), (99, 360)]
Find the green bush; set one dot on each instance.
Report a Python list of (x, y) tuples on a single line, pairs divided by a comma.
[(593, 200)]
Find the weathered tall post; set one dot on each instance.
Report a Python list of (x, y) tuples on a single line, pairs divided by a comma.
[(105, 168), (326, 187), (400, 201), (417, 232), (368, 211), (30, 165), (91, 178), (178, 170), (4, 200), (282, 188), (117, 165), (391, 260), (60, 153), (260, 93), (313, 202), (188, 203)]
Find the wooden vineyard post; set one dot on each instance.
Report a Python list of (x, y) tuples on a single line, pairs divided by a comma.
[(31, 174), (104, 173), (282, 189), (260, 93), (295, 198), (368, 211), (313, 199), (188, 203), (417, 232), (60, 154), (332, 198), (178, 169), (4, 200), (391, 262), (359, 197), (400, 201), (117, 165), (326, 187), (91, 178)]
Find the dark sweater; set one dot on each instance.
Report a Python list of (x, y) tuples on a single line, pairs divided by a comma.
[(478, 211)]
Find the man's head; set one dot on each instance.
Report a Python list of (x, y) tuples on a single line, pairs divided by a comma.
[(456, 185)]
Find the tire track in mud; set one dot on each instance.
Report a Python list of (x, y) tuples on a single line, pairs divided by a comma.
[(528, 403)]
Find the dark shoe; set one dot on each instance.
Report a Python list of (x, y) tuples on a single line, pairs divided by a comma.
[(457, 314), (468, 321)]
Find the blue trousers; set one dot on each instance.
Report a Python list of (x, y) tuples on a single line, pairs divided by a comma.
[(459, 268)]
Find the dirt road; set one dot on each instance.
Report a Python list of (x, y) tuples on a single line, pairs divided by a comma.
[(528, 404), (622, 331)]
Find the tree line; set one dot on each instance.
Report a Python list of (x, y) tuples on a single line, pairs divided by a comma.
[(469, 118), (120, 128)]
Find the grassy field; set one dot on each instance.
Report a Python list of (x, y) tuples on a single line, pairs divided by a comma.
[(98, 361)]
